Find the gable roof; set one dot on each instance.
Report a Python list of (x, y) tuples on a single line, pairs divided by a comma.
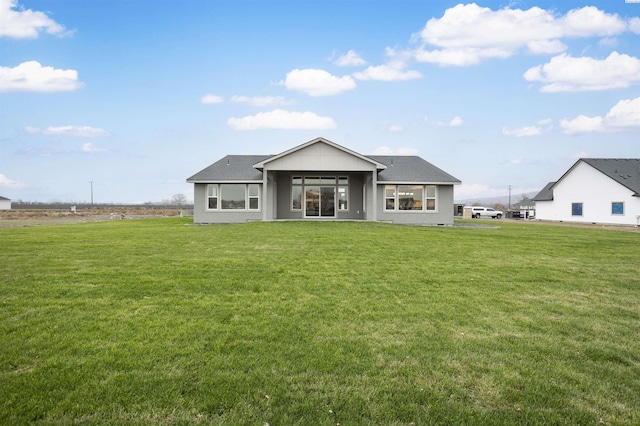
[(261, 164), (625, 171), (546, 194), (411, 168), (396, 168)]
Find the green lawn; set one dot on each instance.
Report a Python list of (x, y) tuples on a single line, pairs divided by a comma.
[(154, 321)]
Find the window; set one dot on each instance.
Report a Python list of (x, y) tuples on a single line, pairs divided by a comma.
[(617, 208), (212, 197), (237, 196), (410, 197), (254, 196), (319, 194), (576, 209), (430, 198), (390, 197), (232, 197)]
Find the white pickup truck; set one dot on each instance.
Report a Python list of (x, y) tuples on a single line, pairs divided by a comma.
[(478, 212)]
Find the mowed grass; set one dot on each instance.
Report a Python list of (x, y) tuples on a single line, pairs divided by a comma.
[(154, 321)]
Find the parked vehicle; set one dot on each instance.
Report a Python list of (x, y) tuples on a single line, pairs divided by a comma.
[(478, 212)]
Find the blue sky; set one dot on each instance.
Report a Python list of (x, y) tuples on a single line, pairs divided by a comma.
[(136, 96)]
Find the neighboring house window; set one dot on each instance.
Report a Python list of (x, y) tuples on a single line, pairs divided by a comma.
[(617, 208), (237, 196), (576, 209), (410, 197)]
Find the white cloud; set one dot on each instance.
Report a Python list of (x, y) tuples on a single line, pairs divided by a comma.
[(542, 126), (281, 119), (395, 128), (523, 131), (385, 150), (625, 115), (634, 25), (387, 72), (262, 101), (211, 99), (90, 147), (316, 82), (546, 47), (82, 131), (467, 34), (33, 77), (456, 122), (17, 22), (564, 73), (350, 59), (5, 182)]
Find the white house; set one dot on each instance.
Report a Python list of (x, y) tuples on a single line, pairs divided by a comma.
[(5, 203), (321, 180), (594, 190)]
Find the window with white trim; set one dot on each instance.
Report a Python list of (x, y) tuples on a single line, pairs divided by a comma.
[(233, 196), (410, 198), (300, 184)]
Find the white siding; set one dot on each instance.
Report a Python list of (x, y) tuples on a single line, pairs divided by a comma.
[(596, 192)]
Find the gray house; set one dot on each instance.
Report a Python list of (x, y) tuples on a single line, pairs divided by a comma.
[(321, 180)]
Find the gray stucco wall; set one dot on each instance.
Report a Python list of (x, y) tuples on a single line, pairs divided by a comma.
[(202, 215), (442, 216)]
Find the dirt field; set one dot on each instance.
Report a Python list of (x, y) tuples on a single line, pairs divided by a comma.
[(40, 217)]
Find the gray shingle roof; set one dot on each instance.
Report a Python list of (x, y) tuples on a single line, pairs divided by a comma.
[(402, 168), (399, 169), (625, 171), (231, 167), (546, 194), (4, 199)]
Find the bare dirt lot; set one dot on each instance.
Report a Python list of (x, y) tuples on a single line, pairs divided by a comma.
[(40, 217)]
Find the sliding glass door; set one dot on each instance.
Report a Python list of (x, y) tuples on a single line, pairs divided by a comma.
[(320, 201)]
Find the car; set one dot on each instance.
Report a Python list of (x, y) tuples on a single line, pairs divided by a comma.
[(478, 212)]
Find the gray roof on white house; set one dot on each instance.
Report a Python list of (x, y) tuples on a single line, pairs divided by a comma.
[(399, 169), (546, 194), (4, 199), (625, 171)]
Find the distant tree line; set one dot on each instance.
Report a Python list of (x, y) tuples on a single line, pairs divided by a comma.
[(178, 201)]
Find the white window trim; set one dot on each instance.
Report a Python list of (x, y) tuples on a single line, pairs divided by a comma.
[(395, 199), (247, 198), (337, 185)]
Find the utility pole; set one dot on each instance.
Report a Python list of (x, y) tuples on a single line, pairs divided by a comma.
[(91, 182), (509, 197)]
